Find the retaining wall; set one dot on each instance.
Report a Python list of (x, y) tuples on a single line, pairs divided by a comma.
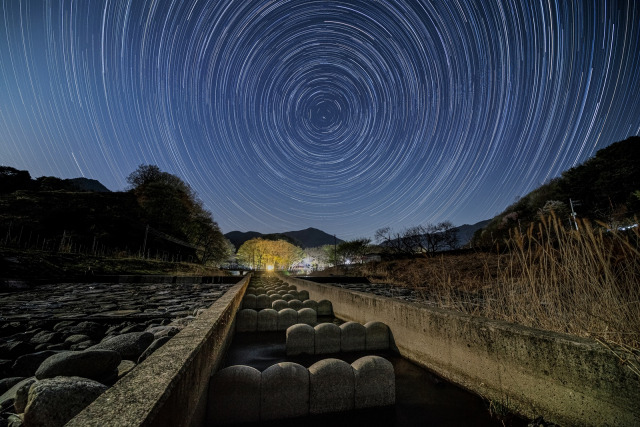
[(565, 379), (170, 387)]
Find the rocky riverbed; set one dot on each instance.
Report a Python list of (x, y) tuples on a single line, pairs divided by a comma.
[(61, 345), (384, 290)]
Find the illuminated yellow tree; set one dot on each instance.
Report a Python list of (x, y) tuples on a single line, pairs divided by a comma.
[(259, 254)]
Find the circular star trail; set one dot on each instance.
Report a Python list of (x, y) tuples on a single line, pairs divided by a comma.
[(342, 115)]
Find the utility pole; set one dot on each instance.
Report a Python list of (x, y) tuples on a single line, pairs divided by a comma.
[(573, 213), (335, 251)]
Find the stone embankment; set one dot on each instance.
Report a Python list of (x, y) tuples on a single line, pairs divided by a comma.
[(62, 345)]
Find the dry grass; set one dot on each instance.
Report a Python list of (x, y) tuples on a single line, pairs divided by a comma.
[(584, 283)]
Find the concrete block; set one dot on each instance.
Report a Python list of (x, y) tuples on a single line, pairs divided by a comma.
[(275, 297), (331, 387), (327, 338), (303, 295), (296, 304), (300, 340), (325, 308), (246, 320), (267, 320), (352, 337), (285, 391), (294, 294), (375, 382), (287, 297), (249, 301), (377, 336), (234, 396), (263, 301), (287, 317), (307, 316), (271, 292), (309, 303), (280, 304)]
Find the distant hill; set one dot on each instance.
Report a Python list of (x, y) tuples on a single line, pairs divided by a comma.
[(466, 231), (604, 188), (307, 238), (86, 184)]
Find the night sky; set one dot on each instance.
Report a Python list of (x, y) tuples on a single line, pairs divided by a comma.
[(341, 115)]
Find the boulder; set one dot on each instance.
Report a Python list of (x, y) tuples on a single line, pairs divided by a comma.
[(8, 398), (53, 402), (27, 365), (92, 364), (7, 383), (130, 346)]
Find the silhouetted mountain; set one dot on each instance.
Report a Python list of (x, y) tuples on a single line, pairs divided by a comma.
[(86, 184), (465, 231), (307, 238), (605, 188)]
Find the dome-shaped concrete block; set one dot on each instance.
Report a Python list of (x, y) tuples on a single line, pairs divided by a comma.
[(352, 337), (249, 301), (275, 297), (279, 304), (375, 382), (267, 320), (331, 386), (294, 294), (287, 297), (271, 292), (325, 308), (301, 339), (303, 295), (377, 336), (259, 290), (309, 303), (246, 320), (263, 301), (287, 317), (327, 338), (296, 304), (307, 316), (285, 391), (234, 396), (292, 287)]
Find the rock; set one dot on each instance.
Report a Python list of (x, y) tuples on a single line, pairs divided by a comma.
[(163, 331), (15, 420), (92, 364), (8, 397), (54, 401), (77, 338), (22, 393), (65, 324), (130, 346), (7, 383), (46, 337), (27, 365), (153, 347), (93, 329), (14, 349)]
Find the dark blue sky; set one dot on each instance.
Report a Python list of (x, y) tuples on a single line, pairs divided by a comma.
[(342, 115)]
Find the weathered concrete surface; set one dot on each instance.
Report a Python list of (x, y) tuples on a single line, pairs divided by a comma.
[(170, 387), (568, 380)]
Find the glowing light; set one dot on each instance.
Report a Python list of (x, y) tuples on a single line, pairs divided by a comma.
[(269, 267)]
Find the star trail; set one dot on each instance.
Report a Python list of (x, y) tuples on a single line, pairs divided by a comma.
[(341, 115)]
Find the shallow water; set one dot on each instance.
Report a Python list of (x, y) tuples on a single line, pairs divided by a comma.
[(422, 398)]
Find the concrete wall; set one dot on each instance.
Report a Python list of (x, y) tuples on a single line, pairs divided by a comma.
[(565, 379), (170, 387)]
